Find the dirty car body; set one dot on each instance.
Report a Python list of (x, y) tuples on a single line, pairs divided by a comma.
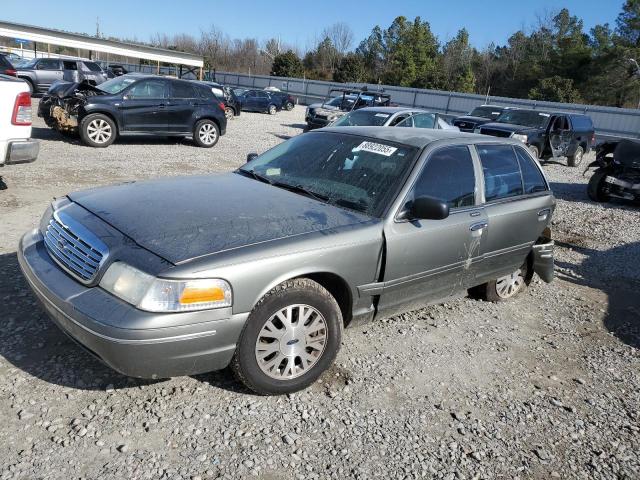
[(281, 218)]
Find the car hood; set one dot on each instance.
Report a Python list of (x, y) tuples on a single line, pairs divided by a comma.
[(62, 88), (508, 127), (469, 118), (188, 217)]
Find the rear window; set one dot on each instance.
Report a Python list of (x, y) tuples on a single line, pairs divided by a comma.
[(501, 170), (182, 90), (581, 122), (363, 118), (92, 66), (4, 63)]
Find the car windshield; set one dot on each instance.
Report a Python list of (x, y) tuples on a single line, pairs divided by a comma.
[(363, 118), (116, 85), (527, 118), (486, 112), (348, 171), (29, 63), (339, 102)]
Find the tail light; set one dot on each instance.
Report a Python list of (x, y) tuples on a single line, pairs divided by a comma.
[(222, 106), (593, 139), (10, 71), (22, 109)]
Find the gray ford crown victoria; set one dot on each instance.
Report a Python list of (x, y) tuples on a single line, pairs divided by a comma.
[(261, 268)]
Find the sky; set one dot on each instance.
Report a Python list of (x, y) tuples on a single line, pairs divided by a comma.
[(298, 22)]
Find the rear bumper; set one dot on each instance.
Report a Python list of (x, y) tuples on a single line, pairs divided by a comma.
[(543, 260), (204, 343), (313, 122), (20, 151)]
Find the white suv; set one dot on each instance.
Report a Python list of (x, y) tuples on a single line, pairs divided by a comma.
[(16, 144)]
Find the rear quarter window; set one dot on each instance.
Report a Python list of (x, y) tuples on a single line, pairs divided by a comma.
[(94, 67), (581, 122), (4, 63), (532, 179)]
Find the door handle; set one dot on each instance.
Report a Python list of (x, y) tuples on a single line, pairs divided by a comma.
[(478, 226), (474, 214), (543, 214)]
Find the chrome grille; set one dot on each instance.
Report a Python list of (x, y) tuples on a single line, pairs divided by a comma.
[(73, 252)]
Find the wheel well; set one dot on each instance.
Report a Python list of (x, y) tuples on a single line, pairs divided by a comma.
[(212, 118), (338, 288)]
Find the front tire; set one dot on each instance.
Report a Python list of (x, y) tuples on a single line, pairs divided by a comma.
[(534, 151), (97, 130), (597, 187), (576, 159), (229, 113), (291, 337), (206, 133)]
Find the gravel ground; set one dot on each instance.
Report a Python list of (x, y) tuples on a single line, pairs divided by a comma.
[(545, 386)]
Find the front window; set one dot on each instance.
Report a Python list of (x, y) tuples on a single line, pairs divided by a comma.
[(527, 118), (490, 113), (116, 85), (344, 103), (363, 118), (348, 171)]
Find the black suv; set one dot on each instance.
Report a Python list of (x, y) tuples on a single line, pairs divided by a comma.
[(232, 104), (132, 105), (547, 134), (478, 116), (287, 102), (258, 101)]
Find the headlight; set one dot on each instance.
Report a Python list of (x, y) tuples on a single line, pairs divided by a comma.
[(152, 294), (521, 137)]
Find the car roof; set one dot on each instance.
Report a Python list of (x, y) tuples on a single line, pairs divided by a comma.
[(415, 137), (391, 109)]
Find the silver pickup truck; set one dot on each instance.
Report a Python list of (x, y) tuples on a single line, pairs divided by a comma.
[(261, 268)]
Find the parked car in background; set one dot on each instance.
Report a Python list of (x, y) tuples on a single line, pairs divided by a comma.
[(392, 117), (16, 144), (617, 175), (6, 67), (114, 70), (478, 116), (287, 101), (258, 101), (14, 58), (263, 267), (233, 105), (547, 134), (335, 106), (134, 105), (41, 73)]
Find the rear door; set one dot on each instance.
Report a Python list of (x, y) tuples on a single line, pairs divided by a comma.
[(144, 106), (432, 259), (180, 107), (48, 70), (518, 205), (92, 72), (263, 99)]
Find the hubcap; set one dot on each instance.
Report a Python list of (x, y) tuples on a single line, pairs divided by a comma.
[(207, 133), (99, 130), (272, 110), (228, 113), (509, 285), (291, 342)]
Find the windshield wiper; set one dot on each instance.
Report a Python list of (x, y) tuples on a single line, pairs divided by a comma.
[(360, 205), (256, 176), (302, 190)]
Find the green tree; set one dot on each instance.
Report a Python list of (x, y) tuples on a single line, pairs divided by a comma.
[(287, 64), (555, 89), (628, 24), (350, 69)]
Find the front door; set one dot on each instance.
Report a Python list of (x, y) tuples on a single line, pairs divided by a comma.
[(263, 99), (517, 210), (432, 259), (560, 136), (144, 106), (49, 70)]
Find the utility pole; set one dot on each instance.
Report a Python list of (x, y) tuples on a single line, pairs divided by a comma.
[(97, 27)]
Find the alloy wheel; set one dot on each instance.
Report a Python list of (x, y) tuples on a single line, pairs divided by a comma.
[(99, 130), (509, 285), (208, 134), (291, 342), (228, 112)]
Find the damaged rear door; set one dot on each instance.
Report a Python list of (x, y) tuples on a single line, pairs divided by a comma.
[(144, 107), (432, 259)]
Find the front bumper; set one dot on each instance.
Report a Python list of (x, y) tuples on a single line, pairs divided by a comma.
[(21, 151), (200, 342)]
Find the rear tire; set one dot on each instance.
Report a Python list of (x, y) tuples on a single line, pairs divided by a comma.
[(576, 159), (206, 133), (534, 151), (291, 337), (504, 288), (272, 110), (289, 106), (97, 130), (229, 113), (595, 188)]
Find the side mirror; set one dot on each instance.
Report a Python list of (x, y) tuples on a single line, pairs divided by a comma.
[(428, 208), (251, 156)]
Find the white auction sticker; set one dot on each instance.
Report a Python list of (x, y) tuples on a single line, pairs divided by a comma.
[(378, 148), (383, 115)]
